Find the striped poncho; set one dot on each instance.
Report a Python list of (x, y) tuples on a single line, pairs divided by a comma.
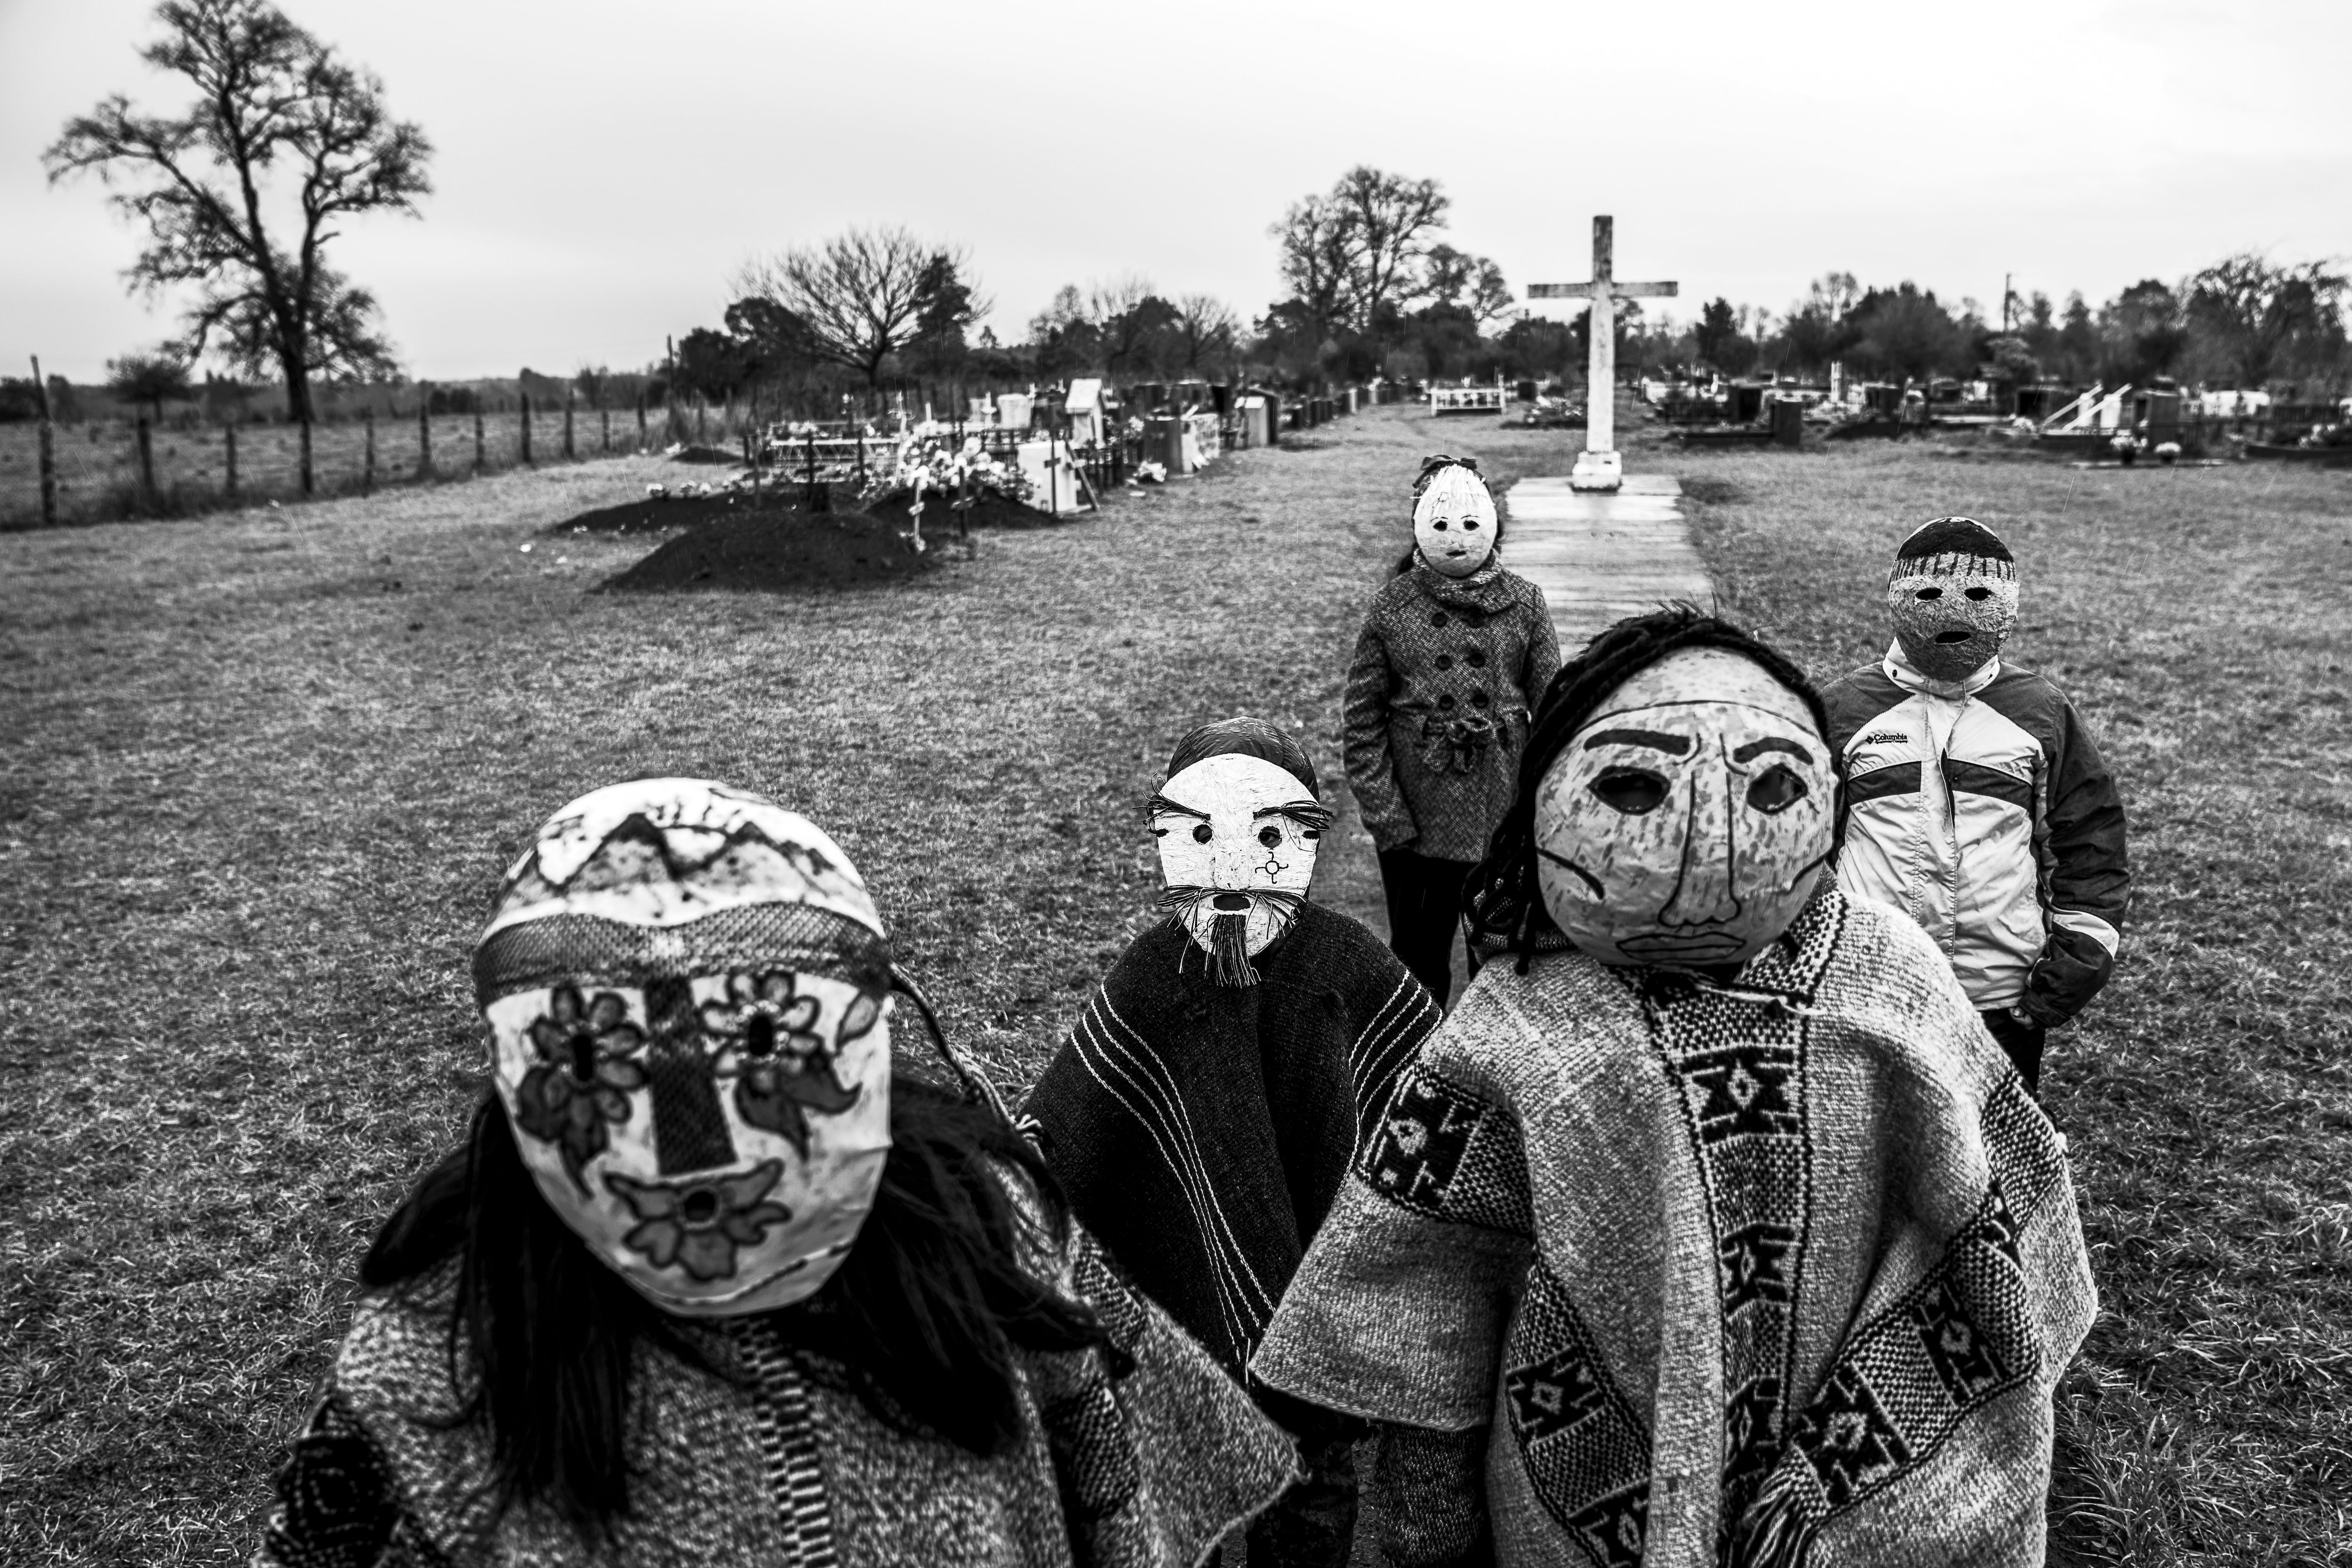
[(1773, 1271), (1201, 1131)]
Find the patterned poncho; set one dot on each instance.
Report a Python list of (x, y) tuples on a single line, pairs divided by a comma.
[(1776, 1272), (1200, 1131)]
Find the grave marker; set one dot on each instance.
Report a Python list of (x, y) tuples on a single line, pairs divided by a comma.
[(1598, 466)]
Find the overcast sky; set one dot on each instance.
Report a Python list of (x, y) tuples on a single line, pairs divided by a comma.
[(601, 169)]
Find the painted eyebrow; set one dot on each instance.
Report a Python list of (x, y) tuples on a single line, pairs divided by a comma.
[(1306, 813), (1672, 745), (1770, 743), (1159, 804)]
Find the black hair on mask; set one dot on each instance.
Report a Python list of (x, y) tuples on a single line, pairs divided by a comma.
[(1501, 899), (1250, 738), (1953, 536)]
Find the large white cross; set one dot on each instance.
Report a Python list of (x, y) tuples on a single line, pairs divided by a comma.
[(1598, 466)]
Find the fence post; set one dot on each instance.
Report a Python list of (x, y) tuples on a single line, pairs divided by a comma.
[(526, 429), (604, 442), (228, 441), (478, 433), (567, 422), (49, 451), (367, 463), (424, 434), (306, 452), (640, 419), (146, 464)]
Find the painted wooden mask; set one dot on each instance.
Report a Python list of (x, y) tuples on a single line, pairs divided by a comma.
[(1238, 836), (1453, 522), (687, 989), (1686, 821), (1952, 595)]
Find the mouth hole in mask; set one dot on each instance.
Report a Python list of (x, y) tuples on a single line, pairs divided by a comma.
[(1954, 636), (699, 1207), (760, 1035), (1931, 593), (1979, 594), (1229, 902)]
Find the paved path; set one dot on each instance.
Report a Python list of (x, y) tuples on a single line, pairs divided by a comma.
[(1599, 559)]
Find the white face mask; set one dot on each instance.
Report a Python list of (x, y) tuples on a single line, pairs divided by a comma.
[(1687, 821), (1238, 838), (687, 992), (1454, 523)]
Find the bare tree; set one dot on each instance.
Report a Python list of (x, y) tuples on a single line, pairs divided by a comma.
[(1450, 275), (149, 378), (1388, 218), (1316, 237), (860, 295), (2249, 312), (1128, 319), (269, 96), (1205, 326)]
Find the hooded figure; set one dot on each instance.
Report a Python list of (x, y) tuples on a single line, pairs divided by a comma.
[(1711, 1226), (1455, 650), (1976, 803), (1203, 1111), (706, 1282)]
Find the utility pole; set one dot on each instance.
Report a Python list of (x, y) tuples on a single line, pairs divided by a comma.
[(2007, 294)]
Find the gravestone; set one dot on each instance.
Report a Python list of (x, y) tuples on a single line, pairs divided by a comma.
[(1599, 468)]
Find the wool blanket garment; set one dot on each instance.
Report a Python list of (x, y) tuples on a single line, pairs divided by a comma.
[(765, 1457), (1201, 1131), (1779, 1270)]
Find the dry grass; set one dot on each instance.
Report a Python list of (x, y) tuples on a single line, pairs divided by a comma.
[(2202, 622), (265, 770)]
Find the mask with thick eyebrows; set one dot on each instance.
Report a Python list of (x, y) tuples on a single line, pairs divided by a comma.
[(1686, 823), (1237, 839)]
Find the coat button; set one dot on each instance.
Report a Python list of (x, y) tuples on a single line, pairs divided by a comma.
[(1438, 619), (1445, 700), (1475, 658), (1478, 699), (1445, 660)]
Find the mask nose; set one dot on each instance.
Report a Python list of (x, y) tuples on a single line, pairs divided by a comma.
[(1231, 902), (1704, 894)]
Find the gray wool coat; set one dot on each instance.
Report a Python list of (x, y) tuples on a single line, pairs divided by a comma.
[(1444, 674)]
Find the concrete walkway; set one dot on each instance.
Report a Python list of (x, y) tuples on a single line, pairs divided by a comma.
[(1599, 559)]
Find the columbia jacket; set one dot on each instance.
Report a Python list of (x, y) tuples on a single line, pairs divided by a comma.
[(1980, 809)]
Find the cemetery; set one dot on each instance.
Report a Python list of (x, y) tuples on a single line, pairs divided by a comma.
[(1390, 817)]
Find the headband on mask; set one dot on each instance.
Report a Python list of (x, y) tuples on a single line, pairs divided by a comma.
[(686, 987), (1952, 596)]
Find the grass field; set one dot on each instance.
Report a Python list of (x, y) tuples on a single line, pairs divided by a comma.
[(265, 770)]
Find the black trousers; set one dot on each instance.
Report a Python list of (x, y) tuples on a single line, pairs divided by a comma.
[(1425, 899), (2022, 1041), (1312, 1525)]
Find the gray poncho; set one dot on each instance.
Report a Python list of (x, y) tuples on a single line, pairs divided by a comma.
[(1781, 1270)]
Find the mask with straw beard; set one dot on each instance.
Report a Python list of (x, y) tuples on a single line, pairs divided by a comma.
[(1238, 838)]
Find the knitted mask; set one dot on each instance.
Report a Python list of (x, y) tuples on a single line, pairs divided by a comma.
[(686, 987), (1953, 597), (1685, 824), (1453, 522), (1238, 837)]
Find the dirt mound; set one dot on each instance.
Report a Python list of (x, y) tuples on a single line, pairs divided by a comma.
[(692, 453), (772, 551), (988, 511), (653, 516)]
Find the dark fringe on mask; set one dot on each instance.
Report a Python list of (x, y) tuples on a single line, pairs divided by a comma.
[(1228, 945)]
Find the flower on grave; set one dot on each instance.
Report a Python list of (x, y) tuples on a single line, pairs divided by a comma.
[(2167, 451), (696, 1225), (587, 1068), (766, 1038), (2124, 441)]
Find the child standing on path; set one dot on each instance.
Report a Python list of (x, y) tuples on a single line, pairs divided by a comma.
[(1455, 649), (1976, 802)]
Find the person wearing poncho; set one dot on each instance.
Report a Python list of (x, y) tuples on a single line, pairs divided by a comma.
[(1204, 1109), (709, 1282), (1713, 1229)]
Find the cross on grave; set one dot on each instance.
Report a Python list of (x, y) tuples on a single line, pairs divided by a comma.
[(1598, 466)]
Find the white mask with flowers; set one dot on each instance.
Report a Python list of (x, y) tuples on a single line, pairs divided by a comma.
[(687, 989)]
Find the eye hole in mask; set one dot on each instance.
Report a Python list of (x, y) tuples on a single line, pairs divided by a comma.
[(1201, 834), (1980, 593), (1270, 836), (1775, 790), (1635, 791), (1931, 593)]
